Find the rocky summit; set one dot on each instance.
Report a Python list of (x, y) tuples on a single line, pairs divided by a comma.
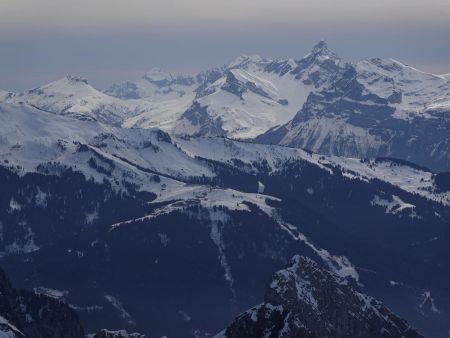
[(306, 300)]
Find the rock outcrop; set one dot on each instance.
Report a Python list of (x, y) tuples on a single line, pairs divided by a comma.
[(24, 313), (305, 300)]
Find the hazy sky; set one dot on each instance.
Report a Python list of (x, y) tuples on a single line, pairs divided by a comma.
[(110, 40)]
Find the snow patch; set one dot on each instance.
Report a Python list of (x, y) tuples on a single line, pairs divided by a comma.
[(10, 331), (261, 188), (340, 265), (14, 205), (119, 307), (429, 302), (164, 239), (41, 198), (91, 217), (395, 206), (53, 293), (184, 316)]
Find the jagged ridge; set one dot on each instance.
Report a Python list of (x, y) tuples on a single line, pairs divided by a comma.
[(305, 300)]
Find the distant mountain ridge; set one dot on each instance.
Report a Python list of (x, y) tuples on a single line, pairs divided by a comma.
[(371, 108), (153, 84)]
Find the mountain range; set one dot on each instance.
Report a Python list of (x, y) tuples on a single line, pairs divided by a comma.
[(164, 205), (370, 108)]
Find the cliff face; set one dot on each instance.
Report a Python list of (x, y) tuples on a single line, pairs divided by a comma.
[(305, 300), (24, 313)]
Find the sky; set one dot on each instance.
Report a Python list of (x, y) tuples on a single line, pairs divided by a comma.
[(107, 41)]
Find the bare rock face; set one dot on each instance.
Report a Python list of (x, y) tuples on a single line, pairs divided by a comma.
[(24, 313), (305, 300)]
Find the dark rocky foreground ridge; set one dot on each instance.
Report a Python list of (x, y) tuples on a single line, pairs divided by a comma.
[(30, 314), (305, 300), (24, 313)]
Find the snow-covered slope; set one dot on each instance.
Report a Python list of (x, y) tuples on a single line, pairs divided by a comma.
[(163, 114), (75, 97), (5, 94), (164, 97), (410, 91), (240, 105), (403, 175), (31, 138)]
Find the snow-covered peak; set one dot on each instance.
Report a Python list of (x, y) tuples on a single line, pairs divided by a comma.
[(320, 47), (73, 96), (254, 94), (319, 67), (320, 52), (68, 85), (76, 79), (158, 76), (244, 60)]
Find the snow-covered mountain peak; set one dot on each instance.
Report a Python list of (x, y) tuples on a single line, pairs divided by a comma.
[(320, 47), (244, 60), (319, 67), (158, 76), (68, 85), (73, 96), (253, 94), (76, 79), (320, 53)]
